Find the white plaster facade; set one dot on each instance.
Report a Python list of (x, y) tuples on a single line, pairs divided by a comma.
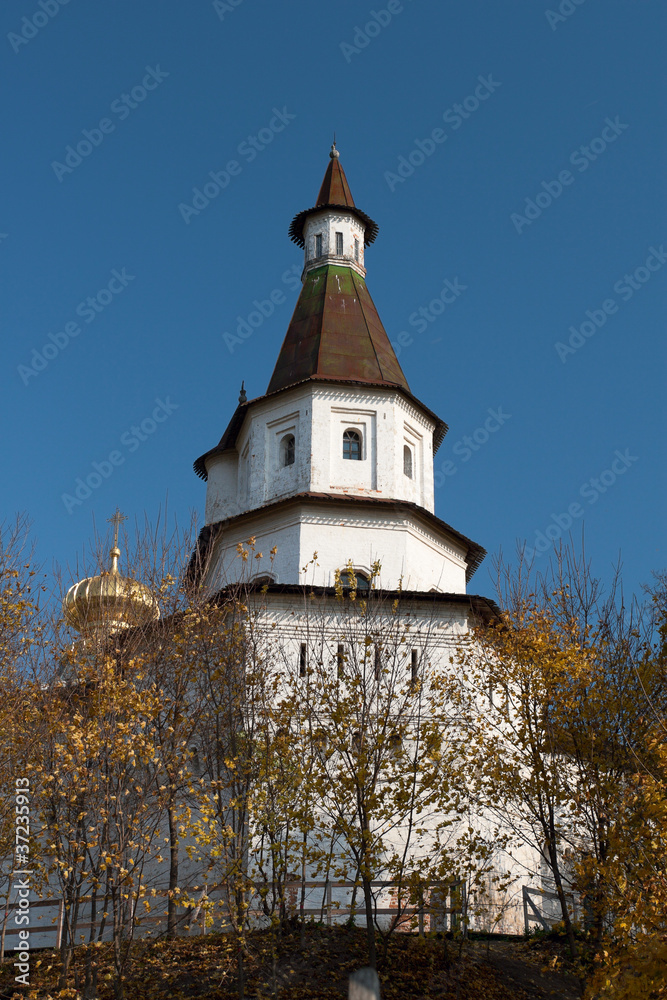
[(253, 475), (412, 554), (434, 629), (317, 416), (345, 248)]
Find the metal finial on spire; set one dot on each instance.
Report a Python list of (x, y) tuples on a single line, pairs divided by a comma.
[(242, 395), (334, 154), (116, 519)]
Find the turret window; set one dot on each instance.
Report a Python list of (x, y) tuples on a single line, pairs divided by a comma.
[(407, 461), (360, 581), (352, 445), (339, 244), (356, 248), (287, 450), (318, 244)]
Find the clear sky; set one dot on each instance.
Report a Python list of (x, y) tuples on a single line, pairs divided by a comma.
[(513, 150)]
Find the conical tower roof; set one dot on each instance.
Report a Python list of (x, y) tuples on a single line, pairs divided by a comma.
[(336, 333), (335, 190), (334, 193)]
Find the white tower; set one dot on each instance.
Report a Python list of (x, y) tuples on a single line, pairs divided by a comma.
[(337, 456)]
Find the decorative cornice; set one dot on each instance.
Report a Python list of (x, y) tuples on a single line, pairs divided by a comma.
[(474, 553)]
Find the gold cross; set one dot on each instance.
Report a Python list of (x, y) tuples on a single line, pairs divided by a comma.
[(116, 519)]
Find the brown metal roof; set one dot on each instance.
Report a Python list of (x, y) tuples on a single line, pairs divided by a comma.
[(336, 332), (334, 189), (483, 607), (334, 193)]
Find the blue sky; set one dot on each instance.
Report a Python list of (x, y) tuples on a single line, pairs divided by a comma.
[(540, 199)]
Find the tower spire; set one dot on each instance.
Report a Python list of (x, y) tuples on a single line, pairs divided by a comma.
[(116, 519), (335, 331)]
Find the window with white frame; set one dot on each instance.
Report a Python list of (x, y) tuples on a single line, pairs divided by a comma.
[(407, 461), (352, 445), (287, 450)]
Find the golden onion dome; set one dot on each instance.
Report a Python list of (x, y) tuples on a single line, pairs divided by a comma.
[(109, 602)]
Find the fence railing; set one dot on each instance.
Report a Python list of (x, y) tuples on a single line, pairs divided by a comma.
[(547, 921), (441, 906)]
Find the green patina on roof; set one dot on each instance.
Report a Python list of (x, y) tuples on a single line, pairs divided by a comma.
[(335, 332)]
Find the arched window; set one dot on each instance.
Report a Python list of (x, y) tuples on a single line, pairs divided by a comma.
[(407, 461), (352, 445), (287, 450), (363, 583)]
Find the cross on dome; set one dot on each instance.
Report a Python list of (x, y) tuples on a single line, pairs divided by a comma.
[(116, 519)]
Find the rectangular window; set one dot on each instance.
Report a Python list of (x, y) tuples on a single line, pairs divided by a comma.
[(356, 248), (414, 668), (303, 660), (378, 664), (318, 245), (340, 659), (339, 244)]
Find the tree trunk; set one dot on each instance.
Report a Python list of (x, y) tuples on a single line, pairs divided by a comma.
[(302, 901), (173, 872), (5, 919), (240, 972), (555, 868), (370, 923)]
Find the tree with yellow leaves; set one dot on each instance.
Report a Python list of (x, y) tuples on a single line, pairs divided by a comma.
[(100, 803), (631, 956), (20, 636), (553, 694), (373, 724)]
